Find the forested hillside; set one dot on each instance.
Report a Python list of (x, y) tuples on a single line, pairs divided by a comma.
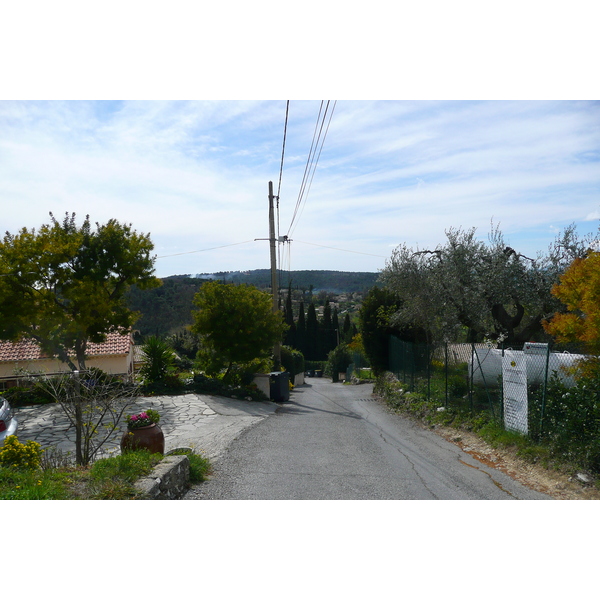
[(336, 282), (167, 309)]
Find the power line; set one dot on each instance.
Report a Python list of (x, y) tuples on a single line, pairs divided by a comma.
[(287, 108), (206, 249), (311, 163), (341, 249)]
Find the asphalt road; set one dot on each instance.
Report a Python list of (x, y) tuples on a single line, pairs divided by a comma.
[(334, 442)]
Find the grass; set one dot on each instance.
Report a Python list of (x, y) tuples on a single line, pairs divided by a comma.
[(107, 479)]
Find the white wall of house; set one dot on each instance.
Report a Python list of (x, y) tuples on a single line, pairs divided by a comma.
[(115, 365)]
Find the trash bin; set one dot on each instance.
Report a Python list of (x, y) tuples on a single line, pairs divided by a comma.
[(279, 386)]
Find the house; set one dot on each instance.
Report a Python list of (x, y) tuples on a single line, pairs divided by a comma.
[(114, 356)]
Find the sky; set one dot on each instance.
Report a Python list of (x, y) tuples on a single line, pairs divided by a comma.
[(195, 174)]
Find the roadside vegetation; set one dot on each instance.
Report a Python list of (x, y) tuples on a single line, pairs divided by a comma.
[(52, 476)]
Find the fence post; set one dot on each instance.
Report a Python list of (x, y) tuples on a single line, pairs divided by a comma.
[(502, 393), (543, 408), (471, 382), (446, 371), (428, 372)]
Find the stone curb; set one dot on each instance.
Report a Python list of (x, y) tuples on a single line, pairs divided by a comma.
[(169, 480)]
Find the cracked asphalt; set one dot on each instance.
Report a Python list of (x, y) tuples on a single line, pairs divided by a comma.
[(333, 442)]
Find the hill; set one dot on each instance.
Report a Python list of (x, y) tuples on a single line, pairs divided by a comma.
[(335, 282), (168, 309)]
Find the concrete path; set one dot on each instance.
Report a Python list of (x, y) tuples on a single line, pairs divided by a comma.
[(205, 423)]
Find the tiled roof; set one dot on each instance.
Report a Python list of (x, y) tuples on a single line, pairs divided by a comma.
[(115, 344)]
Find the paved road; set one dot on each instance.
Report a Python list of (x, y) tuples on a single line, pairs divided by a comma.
[(333, 441)]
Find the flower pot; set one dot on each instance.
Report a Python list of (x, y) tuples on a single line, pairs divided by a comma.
[(150, 438)]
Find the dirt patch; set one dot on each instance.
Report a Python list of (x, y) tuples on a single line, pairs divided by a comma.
[(557, 485)]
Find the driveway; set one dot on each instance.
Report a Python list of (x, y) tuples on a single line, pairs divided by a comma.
[(205, 423)]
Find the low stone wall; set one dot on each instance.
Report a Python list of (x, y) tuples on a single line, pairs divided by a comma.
[(169, 480)]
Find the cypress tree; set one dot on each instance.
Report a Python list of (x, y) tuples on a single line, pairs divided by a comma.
[(288, 317), (312, 334), (301, 330)]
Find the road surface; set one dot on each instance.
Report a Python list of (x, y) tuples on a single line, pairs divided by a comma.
[(332, 442)]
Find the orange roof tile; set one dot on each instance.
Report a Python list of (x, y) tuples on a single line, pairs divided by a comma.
[(115, 344)]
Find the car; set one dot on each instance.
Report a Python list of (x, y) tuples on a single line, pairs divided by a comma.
[(8, 423)]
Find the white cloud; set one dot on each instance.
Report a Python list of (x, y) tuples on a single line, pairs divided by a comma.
[(195, 174)]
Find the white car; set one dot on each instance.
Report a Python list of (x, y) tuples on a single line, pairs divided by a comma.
[(8, 423)]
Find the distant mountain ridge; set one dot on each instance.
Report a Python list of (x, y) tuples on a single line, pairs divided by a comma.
[(336, 282)]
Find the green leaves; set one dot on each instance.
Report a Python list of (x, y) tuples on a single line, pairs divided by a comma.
[(236, 323), (64, 284)]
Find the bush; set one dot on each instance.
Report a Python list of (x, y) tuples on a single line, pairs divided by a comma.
[(292, 361), (20, 456), (159, 360), (338, 360), (26, 395), (212, 386)]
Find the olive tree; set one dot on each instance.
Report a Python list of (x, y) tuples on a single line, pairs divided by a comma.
[(489, 289)]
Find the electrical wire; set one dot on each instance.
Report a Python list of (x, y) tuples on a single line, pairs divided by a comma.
[(311, 163), (205, 249), (341, 249)]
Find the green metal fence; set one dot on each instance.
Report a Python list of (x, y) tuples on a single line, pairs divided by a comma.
[(511, 384)]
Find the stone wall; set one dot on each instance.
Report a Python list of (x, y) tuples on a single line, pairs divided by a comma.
[(169, 480)]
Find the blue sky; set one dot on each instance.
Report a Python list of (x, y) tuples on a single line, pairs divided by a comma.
[(195, 174)]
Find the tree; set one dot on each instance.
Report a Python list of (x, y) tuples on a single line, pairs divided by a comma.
[(64, 285), (326, 332), (301, 329), (288, 317), (579, 291), (236, 325), (94, 403), (486, 289), (311, 339)]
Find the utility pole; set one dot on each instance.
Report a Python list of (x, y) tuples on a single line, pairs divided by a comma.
[(274, 285)]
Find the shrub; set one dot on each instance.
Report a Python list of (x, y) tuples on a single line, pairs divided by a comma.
[(20, 456), (338, 360), (159, 360), (27, 394), (292, 361)]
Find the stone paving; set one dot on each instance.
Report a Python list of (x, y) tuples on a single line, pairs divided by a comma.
[(204, 423)]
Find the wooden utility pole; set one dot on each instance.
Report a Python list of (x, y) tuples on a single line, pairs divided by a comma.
[(274, 285)]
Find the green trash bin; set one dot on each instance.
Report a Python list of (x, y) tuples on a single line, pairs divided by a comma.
[(279, 385)]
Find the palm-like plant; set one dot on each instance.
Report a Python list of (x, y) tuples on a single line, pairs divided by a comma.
[(159, 360)]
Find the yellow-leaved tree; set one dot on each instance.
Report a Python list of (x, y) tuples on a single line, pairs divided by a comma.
[(579, 291)]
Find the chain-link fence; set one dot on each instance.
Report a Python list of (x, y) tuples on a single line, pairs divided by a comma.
[(518, 386)]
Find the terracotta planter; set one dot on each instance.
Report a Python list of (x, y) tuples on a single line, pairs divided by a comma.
[(150, 438)]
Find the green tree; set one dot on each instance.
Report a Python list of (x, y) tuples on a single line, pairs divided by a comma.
[(236, 324), (487, 289), (301, 329), (326, 332), (288, 317), (312, 334), (64, 285)]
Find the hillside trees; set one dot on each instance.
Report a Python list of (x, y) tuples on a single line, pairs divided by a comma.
[(486, 289), (236, 325), (64, 285)]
